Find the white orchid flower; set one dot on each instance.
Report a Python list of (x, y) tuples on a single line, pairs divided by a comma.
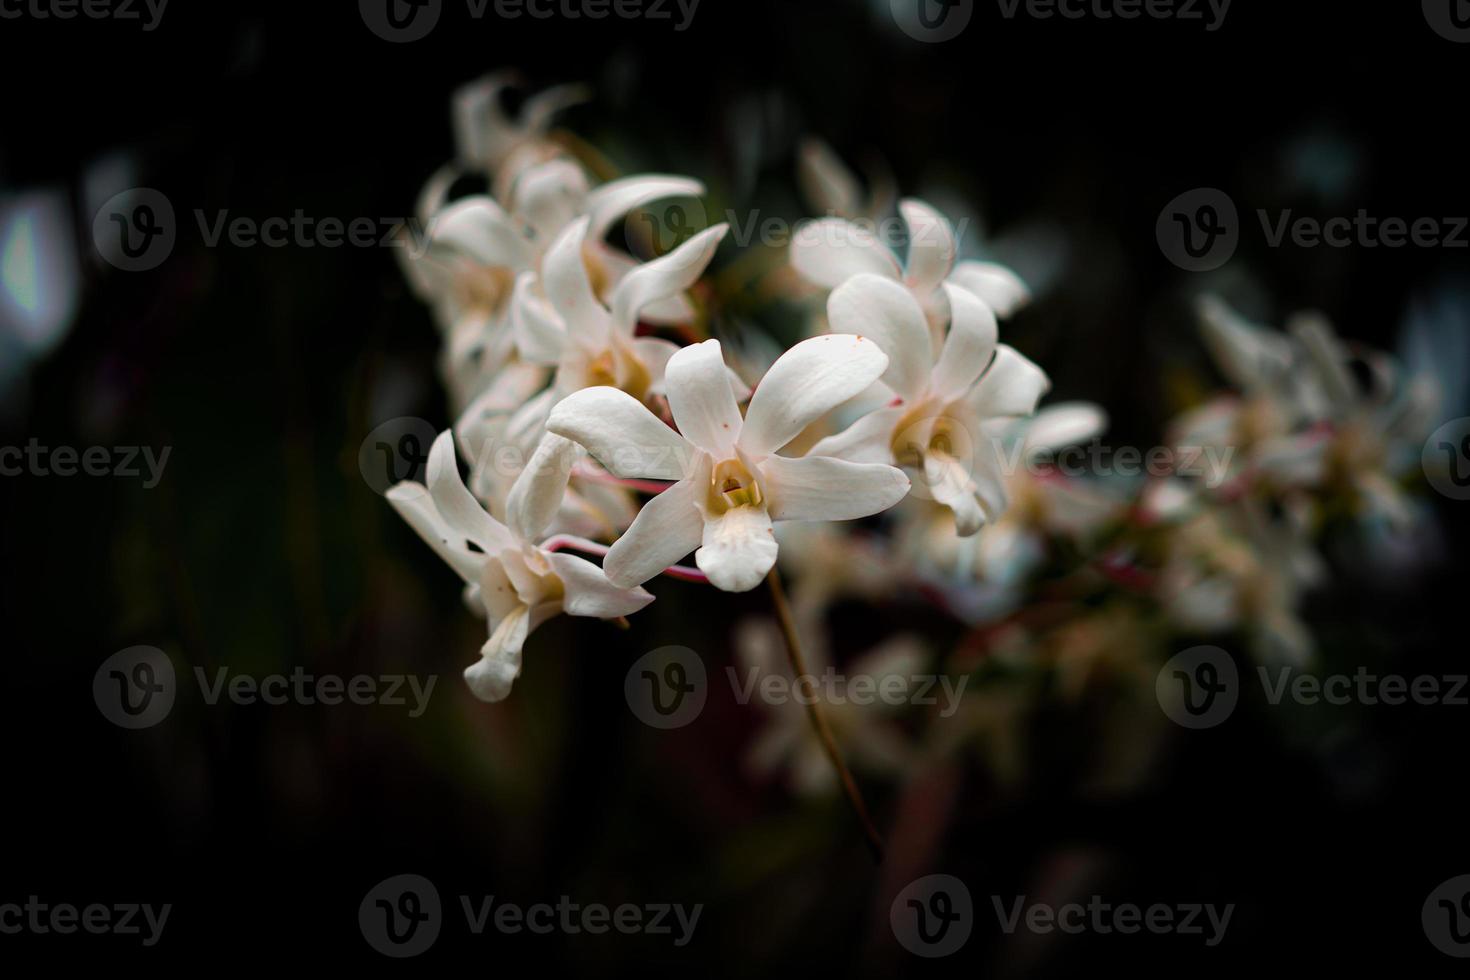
[(488, 138), (952, 400), (731, 485), (478, 250), (830, 251), (593, 344), (519, 583)]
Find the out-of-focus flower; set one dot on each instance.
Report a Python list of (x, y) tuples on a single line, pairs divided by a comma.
[(1304, 421), (942, 430), (834, 190), (517, 583), (731, 483), (1232, 567), (871, 740), (489, 139), (830, 251)]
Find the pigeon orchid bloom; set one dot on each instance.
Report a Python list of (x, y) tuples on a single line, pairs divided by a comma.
[(518, 583), (731, 485), (830, 251), (941, 429), (589, 343)]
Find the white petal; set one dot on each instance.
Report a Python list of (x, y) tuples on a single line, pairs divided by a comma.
[(564, 280), (668, 311), (461, 511), (931, 246), (968, 347), (1000, 288), (739, 549), (818, 488), (949, 484), (1011, 386), (868, 440), (885, 312), (478, 227), (492, 676), (663, 277), (414, 505), (1065, 424), (805, 383), (537, 493), (655, 352), (826, 181), (539, 333), (667, 528), (700, 397), (549, 196), (609, 202), (589, 593), (625, 436), (830, 251)]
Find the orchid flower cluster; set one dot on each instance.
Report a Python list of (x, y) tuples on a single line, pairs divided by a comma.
[(899, 450)]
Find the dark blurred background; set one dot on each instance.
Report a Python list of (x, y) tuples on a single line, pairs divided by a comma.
[(263, 548)]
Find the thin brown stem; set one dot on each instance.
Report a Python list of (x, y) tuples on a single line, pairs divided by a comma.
[(819, 720)]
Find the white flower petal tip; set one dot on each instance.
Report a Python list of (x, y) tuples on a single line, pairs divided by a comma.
[(491, 680), (739, 549)]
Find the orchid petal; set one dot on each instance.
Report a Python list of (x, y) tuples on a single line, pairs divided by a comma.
[(700, 397), (885, 312), (819, 488), (805, 383)]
